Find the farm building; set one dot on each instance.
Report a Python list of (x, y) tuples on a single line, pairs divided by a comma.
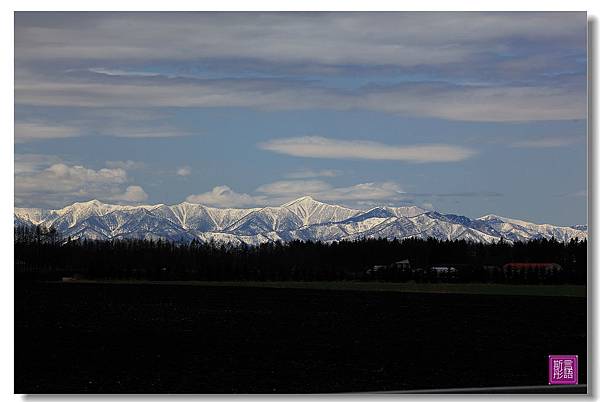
[(393, 270), (377, 268), (532, 266), (402, 265), (443, 270)]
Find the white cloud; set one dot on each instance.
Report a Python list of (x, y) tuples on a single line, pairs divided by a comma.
[(294, 187), (67, 182), (30, 131), (320, 147), (143, 132), (280, 192), (479, 103), (283, 191), (29, 163), (132, 194), (326, 192), (223, 196), (121, 73), (75, 175), (308, 173), (135, 124), (184, 171), (364, 191), (47, 181)]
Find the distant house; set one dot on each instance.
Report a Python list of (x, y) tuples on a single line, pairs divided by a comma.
[(375, 269), (444, 270), (387, 270), (532, 266), (403, 265)]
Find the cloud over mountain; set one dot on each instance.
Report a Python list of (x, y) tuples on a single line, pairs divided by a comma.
[(321, 147), (50, 181), (223, 196)]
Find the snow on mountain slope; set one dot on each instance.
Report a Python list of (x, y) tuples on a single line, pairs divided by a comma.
[(467, 222), (190, 216), (421, 226), (33, 215), (334, 231), (519, 230), (224, 217), (267, 219), (18, 221), (407, 212), (313, 212), (301, 219), (387, 212), (143, 224), (170, 213)]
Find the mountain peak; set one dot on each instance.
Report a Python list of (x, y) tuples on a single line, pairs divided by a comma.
[(403, 211), (490, 217), (305, 199), (90, 202)]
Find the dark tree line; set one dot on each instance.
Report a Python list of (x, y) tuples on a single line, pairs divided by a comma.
[(41, 254)]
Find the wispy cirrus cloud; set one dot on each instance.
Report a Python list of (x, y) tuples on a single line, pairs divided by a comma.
[(321, 147), (26, 131), (310, 173), (477, 68), (548, 142), (294, 187), (121, 73), (422, 99), (459, 194), (107, 122), (144, 132), (330, 39), (579, 194)]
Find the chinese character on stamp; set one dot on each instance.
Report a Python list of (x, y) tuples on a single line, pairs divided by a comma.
[(562, 369)]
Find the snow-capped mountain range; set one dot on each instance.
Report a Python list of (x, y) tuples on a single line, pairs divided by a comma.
[(301, 219)]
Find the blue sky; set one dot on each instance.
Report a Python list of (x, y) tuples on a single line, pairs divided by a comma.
[(468, 113)]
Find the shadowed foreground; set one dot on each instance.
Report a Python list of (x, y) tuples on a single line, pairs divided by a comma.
[(143, 338)]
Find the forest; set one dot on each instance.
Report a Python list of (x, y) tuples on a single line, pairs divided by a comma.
[(42, 254)]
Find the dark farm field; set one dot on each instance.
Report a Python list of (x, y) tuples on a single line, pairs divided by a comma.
[(145, 338)]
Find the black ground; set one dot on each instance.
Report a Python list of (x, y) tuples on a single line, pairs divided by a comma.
[(81, 338)]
